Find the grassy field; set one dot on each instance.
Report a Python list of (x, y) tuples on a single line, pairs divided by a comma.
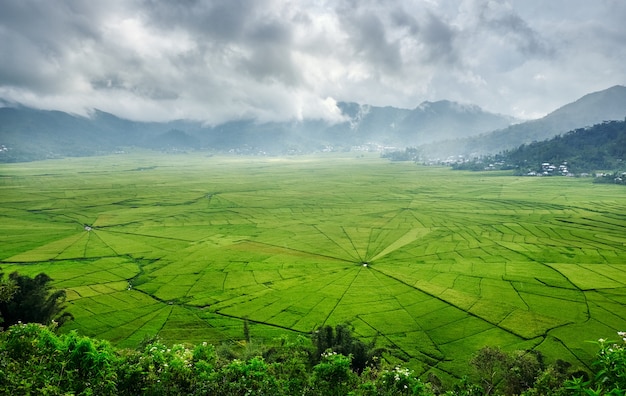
[(433, 263)]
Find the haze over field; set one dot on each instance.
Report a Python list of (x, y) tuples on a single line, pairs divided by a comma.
[(268, 60)]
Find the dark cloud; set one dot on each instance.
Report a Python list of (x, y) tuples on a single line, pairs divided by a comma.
[(284, 59), (221, 20), (401, 18), (506, 22), (36, 38), (368, 39), (440, 38)]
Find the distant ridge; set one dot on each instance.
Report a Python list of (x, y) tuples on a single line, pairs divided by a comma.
[(428, 122), (29, 134), (593, 108)]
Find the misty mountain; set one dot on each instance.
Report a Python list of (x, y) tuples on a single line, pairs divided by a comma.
[(428, 122), (593, 108), (29, 134)]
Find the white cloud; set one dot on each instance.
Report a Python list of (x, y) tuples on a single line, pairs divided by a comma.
[(283, 59)]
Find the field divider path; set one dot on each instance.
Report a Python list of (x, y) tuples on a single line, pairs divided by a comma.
[(73, 219), (152, 315), (590, 269), (342, 295), (609, 296), (395, 344), (397, 213), (260, 322), (588, 313), (450, 304), (587, 365), (532, 259), (352, 243), (512, 284), (104, 242), (408, 237), (151, 236), (336, 244), (312, 254), (598, 243), (426, 333), (70, 245)]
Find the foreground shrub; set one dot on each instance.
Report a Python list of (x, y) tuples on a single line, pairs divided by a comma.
[(609, 370), (333, 376), (35, 360)]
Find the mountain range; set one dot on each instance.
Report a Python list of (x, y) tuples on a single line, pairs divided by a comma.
[(31, 134)]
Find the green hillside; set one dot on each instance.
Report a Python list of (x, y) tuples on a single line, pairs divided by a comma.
[(597, 149)]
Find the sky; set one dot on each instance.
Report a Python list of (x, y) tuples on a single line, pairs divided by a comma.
[(285, 60)]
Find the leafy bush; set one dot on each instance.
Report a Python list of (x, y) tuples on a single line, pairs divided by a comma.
[(341, 340), (36, 360)]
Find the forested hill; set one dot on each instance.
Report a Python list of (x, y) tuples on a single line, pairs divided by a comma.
[(601, 147), (591, 109)]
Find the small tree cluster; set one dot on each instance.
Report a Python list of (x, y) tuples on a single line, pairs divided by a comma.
[(340, 340), (25, 299)]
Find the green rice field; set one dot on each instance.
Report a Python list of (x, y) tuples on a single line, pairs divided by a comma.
[(431, 263)]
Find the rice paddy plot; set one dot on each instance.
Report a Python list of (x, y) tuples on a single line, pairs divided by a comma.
[(432, 263)]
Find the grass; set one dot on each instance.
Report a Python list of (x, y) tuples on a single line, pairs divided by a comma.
[(430, 262)]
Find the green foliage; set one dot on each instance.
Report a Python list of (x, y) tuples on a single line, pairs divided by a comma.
[(519, 372), (400, 381), (551, 381), (616, 177), (340, 340), (610, 366), (8, 288), (600, 147), (245, 377), (29, 300), (491, 365), (36, 360), (409, 154), (332, 375)]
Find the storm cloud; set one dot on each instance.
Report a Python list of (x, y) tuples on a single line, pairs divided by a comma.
[(216, 61)]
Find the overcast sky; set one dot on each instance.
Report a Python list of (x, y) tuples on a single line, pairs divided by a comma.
[(216, 60)]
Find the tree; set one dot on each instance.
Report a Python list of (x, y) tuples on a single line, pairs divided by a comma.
[(31, 300), (523, 370), (7, 289), (491, 364), (341, 340)]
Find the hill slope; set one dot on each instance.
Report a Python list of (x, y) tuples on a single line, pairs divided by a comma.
[(601, 147), (593, 108)]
